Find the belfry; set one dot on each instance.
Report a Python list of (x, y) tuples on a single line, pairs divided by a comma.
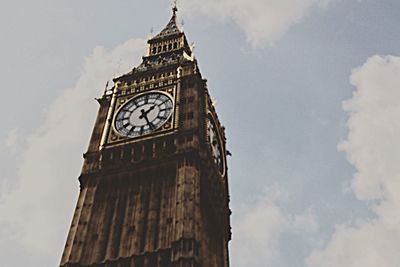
[(154, 183)]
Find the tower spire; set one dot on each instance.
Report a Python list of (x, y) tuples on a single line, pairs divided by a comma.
[(174, 7), (172, 26)]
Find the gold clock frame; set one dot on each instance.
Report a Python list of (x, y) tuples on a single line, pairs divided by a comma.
[(115, 138), (217, 126)]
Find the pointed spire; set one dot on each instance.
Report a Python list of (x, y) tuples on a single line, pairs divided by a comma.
[(172, 26), (175, 8)]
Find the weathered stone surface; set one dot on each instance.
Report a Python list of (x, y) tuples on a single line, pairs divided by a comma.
[(157, 200)]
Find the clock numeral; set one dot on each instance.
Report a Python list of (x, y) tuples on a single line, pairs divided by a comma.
[(162, 117), (152, 126), (138, 116), (121, 119), (165, 101), (131, 131)]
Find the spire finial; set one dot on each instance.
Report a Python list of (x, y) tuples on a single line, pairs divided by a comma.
[(175, 7)]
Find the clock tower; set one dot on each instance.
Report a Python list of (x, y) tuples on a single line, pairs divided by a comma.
[(154, 184)]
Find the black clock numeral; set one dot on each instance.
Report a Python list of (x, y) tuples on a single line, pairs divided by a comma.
[(131, 131), (144, 120), (146, 99), (162, 117), (152, 126), (165, 101)]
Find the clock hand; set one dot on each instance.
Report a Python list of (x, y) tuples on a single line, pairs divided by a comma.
[(150, 109), (144, 115), (149, 123), (146, 112)]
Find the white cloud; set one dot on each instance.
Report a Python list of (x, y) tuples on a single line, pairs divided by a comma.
[(305, 222), (263, 21), (11, 140), (41, 206), (259, 229), (373, 147)]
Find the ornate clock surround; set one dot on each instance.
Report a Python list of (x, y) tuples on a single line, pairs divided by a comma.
[(123, 94), (217, 147)]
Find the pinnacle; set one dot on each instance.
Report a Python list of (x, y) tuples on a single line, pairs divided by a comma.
[(171, 28)]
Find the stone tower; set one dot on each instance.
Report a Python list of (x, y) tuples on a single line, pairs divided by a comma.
[(154, 186)]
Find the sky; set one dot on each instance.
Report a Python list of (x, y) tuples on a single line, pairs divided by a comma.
[(308, 90)]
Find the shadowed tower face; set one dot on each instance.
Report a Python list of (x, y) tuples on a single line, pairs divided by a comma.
[(154, 187)]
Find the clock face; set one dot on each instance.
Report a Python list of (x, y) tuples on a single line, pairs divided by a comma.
[(215, 144), (143, 114)]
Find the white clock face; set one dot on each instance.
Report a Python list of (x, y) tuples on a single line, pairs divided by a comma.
[(143, 114), (215, 144)]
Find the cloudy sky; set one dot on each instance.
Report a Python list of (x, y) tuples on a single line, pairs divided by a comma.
[(309, 91)]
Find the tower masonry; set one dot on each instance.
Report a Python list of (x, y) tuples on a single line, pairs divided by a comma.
[(154, 183)]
